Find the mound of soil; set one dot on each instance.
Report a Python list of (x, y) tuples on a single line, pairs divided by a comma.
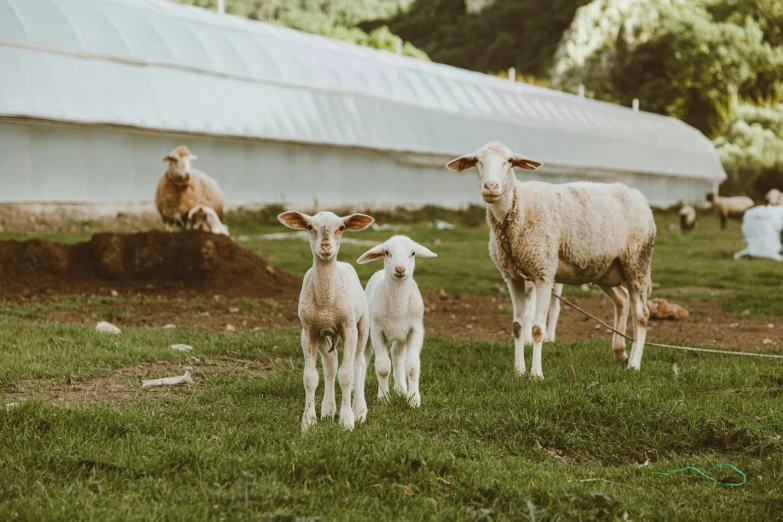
[(153, 262)]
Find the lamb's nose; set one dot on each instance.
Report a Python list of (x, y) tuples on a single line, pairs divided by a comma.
[(492, 187), (399, 269)]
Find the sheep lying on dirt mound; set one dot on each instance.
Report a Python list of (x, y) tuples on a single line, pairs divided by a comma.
[(182, 187), (687, 218), (575, 233), (729, 207), (204, 218)]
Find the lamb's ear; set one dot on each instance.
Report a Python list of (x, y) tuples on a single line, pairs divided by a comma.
[(294, 219), (422, 251), (169, 158), (463, 162), (357, 221), (522, 162), (374, 253)]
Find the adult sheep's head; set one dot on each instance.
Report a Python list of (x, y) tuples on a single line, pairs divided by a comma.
[(399, 256), (325, 228), (495, 165), (180, 162)]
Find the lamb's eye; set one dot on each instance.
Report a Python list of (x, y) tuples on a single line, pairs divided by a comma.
[(342, 228), (511, 160), (309, 227), (386, 253), (413, 254)]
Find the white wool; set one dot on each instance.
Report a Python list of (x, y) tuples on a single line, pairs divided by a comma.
[(573, 233), (397, 315), (774, 197), (332, 304), (762, 227), (687, 218), (204, 218)]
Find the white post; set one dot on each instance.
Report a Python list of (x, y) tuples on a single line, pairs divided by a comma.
[(512, 74), (399, 45), (580, 91), (222, 6), (635, 105)]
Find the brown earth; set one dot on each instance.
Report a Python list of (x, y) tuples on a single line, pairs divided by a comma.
[(153, 262)]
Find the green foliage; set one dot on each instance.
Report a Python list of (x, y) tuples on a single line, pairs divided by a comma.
[(333, 18), (675, 58), (522, 34), (751, 149)]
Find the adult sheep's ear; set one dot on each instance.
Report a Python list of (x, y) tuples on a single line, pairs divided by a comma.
[(522, 162), (422, 251), (357, 221), (463, 162), (294, 219), (374, 253), (169, 158)]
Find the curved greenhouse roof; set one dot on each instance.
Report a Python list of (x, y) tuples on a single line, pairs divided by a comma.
[(158, 65)]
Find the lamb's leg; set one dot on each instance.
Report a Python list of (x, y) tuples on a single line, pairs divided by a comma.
[(554, 314), (329, 362), (360, 365), (619, 297), (523, 320), (350, 336), (382, 362), (399, 350), (413, 365), (309, 348), (543, 295), (641, 315)]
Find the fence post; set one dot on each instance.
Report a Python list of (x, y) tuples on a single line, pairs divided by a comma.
[(635, 105), (399, 45), (222, 6), (580, 91), (512, 74)]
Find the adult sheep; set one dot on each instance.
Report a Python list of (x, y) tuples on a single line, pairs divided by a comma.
[(573, 233), (181, 187), (729, 207)]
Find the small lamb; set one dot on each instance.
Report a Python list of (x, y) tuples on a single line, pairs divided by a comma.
[(204, 218), (687, 218), (181, 187), (396, 315), (332, 303), (729, 207)]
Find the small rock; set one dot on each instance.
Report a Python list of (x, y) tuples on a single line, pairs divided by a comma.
[(470, 327), (598, 327), (768, 341), (746, 312), (473, 318), (733, 325), (585, 288), (114, 293), (257, 329), (675, 369), (770, 325), (105, 327), (233, 310), (181, 347), (453, 316), (442, 293), (230, 328), (169, 326)]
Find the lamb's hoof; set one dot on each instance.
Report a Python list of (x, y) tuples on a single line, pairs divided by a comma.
[(520, 371), (539, 376), (347, 419), (415, 400), (636, 367), (308, 419), (328, 411), (383, 397), (360, 413), (620, 356)]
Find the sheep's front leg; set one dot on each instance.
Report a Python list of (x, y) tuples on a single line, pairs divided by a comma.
[(329, 361), (413, 365), (346, 373), (309, 348), (543, 295), (554, 314), (398, 351), (523, 320), (641, 316), (382, 362), (619, 296), (360, 365)]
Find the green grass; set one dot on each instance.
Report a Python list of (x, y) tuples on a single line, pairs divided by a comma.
[(484, 446)]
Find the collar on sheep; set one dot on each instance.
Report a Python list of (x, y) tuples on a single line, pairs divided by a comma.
[(505, 241)]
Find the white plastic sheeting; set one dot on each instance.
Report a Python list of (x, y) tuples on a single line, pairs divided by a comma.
[(762, 227), (158, 65)]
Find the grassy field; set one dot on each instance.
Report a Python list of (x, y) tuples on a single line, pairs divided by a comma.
[(584, 444)]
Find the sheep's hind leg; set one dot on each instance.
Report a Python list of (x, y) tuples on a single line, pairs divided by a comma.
[(641, 316), (543, 294), (619, 296), (360, 364), (399, 351), (554, 314), (329, 362), (524, 308), (346, 374), (413, 365), (309, 349)]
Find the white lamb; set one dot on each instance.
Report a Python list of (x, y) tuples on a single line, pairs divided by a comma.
[(204, 218), (332, 304), (573, 233), (396, 315)]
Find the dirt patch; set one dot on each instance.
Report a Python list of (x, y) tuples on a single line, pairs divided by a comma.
[(151, 262), (124, 385)]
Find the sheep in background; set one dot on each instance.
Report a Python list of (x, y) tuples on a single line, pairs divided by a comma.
[(332, 303), (204, 218), (181, 187), (573, 233), (774, 197), (396, 315), (729, 207), (687, 218)]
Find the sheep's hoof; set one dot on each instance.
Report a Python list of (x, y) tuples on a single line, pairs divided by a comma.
[(328, 410), (360, 413), (415, 400), (520, 371), (347, 419), (636, 367), (620, 356), (308, 419), (537, 376)]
